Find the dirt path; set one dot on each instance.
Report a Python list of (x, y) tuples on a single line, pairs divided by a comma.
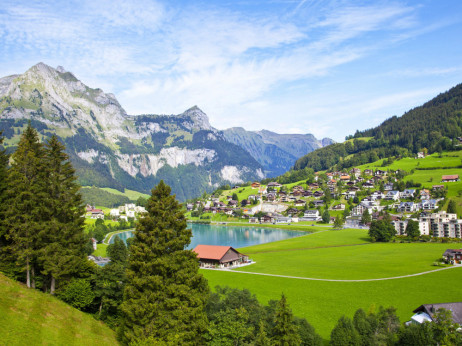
[(339, 280)]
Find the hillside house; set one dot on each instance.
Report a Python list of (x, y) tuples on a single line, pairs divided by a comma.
[(392, 195), (255, 185), (114, 213), (97, 214), (311, 215), (426, 312), (400, 227), (453, 256), (408, 193), (408, 207), (437, 187), (213, 256), (425, 194), (292, 211), (377, 195), (299, 203), (368, 172), (274, 184), (368, 185), (318, 203), (450, 178), (282, 219), (428, 204), (339, 207), (388, 187)]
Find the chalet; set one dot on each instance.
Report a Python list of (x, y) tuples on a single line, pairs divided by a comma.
[(377, 195), (318, 203), (392, 195), (426, 312), (271, 196), (282, 219), (297, 193), (350, 194), (292, 211), (428, 204), (388, 187), (233, 203), (130, 214), (253, 220), (453, 256), (274, 184), (114, 213), (345, 177), (380, 172), (437, 187), (368, 172), (297, 188), (266, 219), (284, 198), (307, 193), (408, 207), (213, 256), (97, 214), (339, 207), (450, 178), (420, 155), (408, 193), (350, 183), (425, 194), (255, 185), (314, 185), (318, 194), (368, 185), (299, 203), (311, 215)]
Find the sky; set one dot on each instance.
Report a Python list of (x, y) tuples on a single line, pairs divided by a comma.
[(309, 66)]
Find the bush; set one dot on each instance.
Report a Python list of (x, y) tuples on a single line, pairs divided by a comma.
[(78, 293)]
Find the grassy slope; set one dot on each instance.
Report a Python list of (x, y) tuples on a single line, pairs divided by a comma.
[(323, 303), (133, 195), (31, 317)]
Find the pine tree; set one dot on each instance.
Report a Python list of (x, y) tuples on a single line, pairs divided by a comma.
[(262, 339), (345, 333), (366, 217), (285, 332), (62, 252), (26, 191), (165, 295), (5, 243)]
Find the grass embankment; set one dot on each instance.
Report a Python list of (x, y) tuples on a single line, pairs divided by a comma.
[(29, 317), (131, 194), (322, 255)]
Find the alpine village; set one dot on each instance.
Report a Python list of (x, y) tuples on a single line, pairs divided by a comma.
[(162, 229)]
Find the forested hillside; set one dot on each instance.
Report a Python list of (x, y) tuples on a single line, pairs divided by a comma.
[(432, 127)]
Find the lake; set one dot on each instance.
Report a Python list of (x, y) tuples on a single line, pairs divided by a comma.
[(235, 236)]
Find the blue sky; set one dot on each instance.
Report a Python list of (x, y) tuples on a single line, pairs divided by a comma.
[(308, 66)]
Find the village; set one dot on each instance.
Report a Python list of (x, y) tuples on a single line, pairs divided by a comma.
[(353, 199)]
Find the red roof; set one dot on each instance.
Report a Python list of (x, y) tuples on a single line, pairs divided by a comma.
[(450, 177), (215, 252)]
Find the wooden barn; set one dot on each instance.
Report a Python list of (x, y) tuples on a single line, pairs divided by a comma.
[(213, 256)]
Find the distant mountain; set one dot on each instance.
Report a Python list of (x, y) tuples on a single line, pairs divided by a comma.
[(277, 153), (434, 126), (110, 148)]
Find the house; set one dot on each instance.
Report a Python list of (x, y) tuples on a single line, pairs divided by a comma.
[(339, 207), (420, 155), (130, 213), (255, 185), (437, 187), (318, 194), (407, 207), (453, 256), (274, 184), (311, 215), (428, 204), (368, 185), (253, 220), (282, 219), (392, 195), (212, 256), (425, 194), (114, 213), (426, 312), (299, 203), (450, 178), (388, 187), (266, 219), (318, 203), (97, 214), (368, 172), (408, 193), (377, 195), (345, 177), (233, 203)]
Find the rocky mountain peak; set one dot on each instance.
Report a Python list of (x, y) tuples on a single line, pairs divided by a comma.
[(199, 118)]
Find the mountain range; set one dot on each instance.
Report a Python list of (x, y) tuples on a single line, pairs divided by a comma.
[(110, 148)]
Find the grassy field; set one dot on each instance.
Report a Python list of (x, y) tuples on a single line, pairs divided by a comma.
[(29, 317), (132, 195), (339, 255)]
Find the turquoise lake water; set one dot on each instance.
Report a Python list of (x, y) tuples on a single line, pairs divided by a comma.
[(235, 236)]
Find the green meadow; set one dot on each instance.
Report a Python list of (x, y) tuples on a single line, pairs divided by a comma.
[(344, 255), (35, 318)]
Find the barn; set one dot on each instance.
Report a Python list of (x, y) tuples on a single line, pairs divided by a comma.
[(217, 256)]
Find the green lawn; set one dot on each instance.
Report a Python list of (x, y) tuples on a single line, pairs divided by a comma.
[(338, 255), (29, 317), (323, 303)]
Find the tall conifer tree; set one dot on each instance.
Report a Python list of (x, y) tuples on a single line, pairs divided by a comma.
[(5, 261), (63, 241), (165, 295), (285, 332), (26, 191)]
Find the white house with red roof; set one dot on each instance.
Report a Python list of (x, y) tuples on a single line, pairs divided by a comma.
[(218, 256)]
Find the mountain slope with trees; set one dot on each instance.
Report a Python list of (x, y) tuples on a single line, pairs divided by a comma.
[(432, 127)]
